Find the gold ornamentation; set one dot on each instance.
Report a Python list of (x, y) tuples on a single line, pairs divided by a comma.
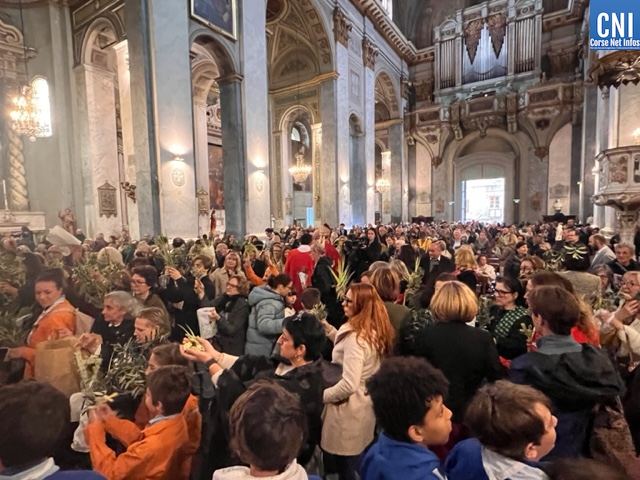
[(472, 34), (203, 202)]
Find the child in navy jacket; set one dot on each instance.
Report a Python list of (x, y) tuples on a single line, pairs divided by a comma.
[(513, 429), (407, 395)]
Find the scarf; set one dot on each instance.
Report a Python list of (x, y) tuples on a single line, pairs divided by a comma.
[(504, 324)]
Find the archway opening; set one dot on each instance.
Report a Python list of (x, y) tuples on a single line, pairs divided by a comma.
[(300, 137), (483, 200)]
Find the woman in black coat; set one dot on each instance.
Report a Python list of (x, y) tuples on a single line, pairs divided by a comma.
[(231, 314), (466, 355), (325, 282)]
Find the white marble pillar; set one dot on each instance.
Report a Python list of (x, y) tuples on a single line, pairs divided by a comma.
[(396, 144), (317, 162), (330, 162), (201, 149), (387, 196), (370, 142), (341, 108), (98, 145), (253, 48), (126, 121), (275, 177), (423, 170)]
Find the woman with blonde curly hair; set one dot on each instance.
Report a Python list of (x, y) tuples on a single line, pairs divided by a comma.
[(360, 344), (466, 267)]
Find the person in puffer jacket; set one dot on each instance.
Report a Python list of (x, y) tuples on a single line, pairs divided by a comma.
[(267, 314)]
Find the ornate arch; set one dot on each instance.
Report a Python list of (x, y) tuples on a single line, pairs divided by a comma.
[(213, 50), (385, 92), (82, 36), (299, 48), (290, 115)]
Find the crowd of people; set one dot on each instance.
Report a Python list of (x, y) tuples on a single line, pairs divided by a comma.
[(450, 350)]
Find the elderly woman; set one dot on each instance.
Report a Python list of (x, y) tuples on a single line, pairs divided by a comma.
[(301, 343), (114, 326), (231, 314), (57, 316), (466, 355), (387, 284), (359, 346), (144, 280)]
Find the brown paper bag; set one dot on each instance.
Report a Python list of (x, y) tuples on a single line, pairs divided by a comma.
[(55, 364)]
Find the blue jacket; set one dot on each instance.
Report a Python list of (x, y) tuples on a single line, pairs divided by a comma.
[(265, 321), (465, 462), (390, 459)]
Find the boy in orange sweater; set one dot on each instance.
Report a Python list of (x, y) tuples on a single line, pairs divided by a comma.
[(159, 452)]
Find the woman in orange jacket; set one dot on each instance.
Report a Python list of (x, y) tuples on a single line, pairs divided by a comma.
[(57, 318)]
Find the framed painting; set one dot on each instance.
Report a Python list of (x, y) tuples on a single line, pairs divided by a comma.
[(220, 15)]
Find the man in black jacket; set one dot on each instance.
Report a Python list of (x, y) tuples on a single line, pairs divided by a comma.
[(435, 263)]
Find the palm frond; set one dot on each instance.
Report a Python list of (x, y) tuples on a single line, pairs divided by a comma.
[(342, 278)]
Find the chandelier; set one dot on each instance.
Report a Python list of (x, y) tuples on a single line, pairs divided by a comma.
[(23, 114), (300, 171), (383, 185)]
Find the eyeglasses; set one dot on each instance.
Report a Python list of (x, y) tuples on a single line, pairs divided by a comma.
[(234, 285), (502, 292), (138, 282), (348, 301), (292, 293)]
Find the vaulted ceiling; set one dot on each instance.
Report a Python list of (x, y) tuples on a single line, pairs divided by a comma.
[(418, 18)]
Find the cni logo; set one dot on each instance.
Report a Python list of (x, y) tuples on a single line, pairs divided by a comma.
[(614, 25)]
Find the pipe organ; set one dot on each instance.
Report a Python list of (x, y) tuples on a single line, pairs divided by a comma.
[(499, 39)]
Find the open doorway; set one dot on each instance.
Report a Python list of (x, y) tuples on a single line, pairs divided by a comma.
[(483, 200)]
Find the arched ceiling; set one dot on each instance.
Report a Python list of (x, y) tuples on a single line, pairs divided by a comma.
[(417, 18)]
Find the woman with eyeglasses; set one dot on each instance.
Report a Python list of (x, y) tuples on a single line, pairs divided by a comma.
[(231, 314), (297, 368), (359, 346), (268, 304), (509, 317), (144, 281)]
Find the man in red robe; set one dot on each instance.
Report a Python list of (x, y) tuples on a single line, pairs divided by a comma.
[(300, 266)]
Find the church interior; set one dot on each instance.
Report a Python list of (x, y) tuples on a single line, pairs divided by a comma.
[(157, 117)]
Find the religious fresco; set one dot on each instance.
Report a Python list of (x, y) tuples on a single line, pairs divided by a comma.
[(218, 14)]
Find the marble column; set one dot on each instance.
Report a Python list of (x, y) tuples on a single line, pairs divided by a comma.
[(316, 155), (387, 197), (396, 145), (604, 117), (276, 172), (589, 134), (342, 152), (370, 142), (253, 48), (233, 157), (126, 124), (358, 180), (201, 149), (412, 184), (98, 145), (330, 161), (141, 75)]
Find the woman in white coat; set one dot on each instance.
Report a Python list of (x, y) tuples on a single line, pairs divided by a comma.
[(360, 344)]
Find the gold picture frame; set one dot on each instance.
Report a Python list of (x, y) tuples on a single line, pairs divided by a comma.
[(107, 200), (219, 15)]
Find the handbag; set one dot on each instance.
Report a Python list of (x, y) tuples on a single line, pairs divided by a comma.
[(610, 440), (55, 364), (628, 363)]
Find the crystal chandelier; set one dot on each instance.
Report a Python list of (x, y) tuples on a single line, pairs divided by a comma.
[(23, 114), (383, 185), (300, 171)]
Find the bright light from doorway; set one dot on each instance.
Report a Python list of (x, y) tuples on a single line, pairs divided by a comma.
[(483, 200)]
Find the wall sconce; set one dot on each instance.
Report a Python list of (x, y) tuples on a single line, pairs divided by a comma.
[(516, 201), (636, 136), (177, 157), (451, 204)]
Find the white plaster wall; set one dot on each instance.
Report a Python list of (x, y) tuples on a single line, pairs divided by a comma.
[(560, 167)]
